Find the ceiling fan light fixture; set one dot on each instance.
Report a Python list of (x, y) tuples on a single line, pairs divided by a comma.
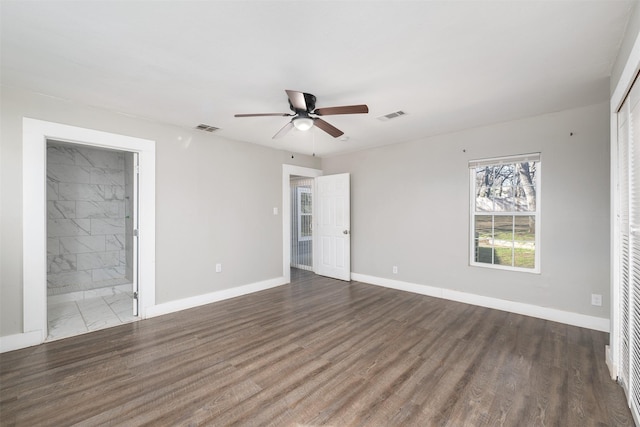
[(303, 123)]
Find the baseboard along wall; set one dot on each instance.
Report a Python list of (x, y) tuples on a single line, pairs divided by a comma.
[(28, 339), (546, 313)]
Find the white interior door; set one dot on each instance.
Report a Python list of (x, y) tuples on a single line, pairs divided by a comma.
[(136, 227), (332, 234)]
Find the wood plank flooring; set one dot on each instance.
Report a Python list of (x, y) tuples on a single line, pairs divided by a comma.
[(319, 352)]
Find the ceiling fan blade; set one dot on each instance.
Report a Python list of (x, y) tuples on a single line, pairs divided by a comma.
[(347, 109), (263, 114), (297, 99), (282, 132), (330, 129)]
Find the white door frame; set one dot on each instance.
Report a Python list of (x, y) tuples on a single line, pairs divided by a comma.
[(34, 212), (287, 172)]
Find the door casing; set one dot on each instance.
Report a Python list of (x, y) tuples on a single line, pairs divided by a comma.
[(287, 172), (34, 211)]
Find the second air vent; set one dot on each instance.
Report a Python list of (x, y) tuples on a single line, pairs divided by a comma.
[(392, 115), (207, 128)]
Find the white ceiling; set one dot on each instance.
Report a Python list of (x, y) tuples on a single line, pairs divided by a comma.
[(449, 65)]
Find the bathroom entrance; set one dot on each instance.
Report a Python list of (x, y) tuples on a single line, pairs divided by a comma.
[(92, 210)]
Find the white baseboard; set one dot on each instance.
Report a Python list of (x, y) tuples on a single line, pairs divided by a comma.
[(569, 318), (191, 302), (28, 339), (18, 341)]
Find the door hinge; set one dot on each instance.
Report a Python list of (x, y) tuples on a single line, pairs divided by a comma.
[(135, 295), (135, 232), (137, 168)]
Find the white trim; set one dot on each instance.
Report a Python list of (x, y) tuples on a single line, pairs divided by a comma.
[(35, 136), (608, 358), (505, 160), (614, 254), (287, 172), (196, 301), (629, 73), (18, 341), (569, 318)]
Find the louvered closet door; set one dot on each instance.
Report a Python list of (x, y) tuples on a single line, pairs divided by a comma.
[(629, 247), (632, 232), (623, 180)]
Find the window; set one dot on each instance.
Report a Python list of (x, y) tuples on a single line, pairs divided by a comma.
[(505, 212), (304, 213)]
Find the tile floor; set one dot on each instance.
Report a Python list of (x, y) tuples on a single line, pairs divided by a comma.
[(68, 318)]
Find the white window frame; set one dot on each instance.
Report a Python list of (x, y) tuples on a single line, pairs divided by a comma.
[(473, 164), (300, 191)]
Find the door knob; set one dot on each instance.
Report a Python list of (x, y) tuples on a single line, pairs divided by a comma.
[(345, 232)]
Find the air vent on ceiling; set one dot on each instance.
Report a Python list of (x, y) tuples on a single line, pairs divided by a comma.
[(391, 115), (207, 128)]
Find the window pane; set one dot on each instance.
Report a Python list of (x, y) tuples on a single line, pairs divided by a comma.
[(525, 246), (504, 255), (484, 202), (305, 203), (525, 228), (503, 199), (484, 239), (503, 240), (305, 225), (503, 229), (524, 258), (526, 179), (525, 200)]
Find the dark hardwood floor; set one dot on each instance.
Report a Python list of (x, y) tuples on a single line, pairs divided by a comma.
[(319, 352)]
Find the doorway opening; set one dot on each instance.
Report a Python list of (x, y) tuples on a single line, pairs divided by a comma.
[(302, 223), (92, 257), (331, 224), (36, 135), (290, 243)]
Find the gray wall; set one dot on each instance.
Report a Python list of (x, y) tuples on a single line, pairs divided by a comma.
[(212, 197), (410, 208)]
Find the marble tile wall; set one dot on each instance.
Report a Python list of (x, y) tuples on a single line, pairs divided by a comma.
[(86, 228)]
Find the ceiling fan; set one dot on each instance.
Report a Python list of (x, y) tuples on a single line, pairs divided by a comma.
[(303, 106)]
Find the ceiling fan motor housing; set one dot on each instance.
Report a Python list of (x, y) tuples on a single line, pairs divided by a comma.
[(309, 99)]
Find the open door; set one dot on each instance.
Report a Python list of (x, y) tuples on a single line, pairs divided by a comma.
[(333, 232), (135, 228)]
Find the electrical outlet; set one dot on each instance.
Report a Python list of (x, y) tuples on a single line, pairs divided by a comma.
[(218, 268), (596, 299), (395, 269)]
